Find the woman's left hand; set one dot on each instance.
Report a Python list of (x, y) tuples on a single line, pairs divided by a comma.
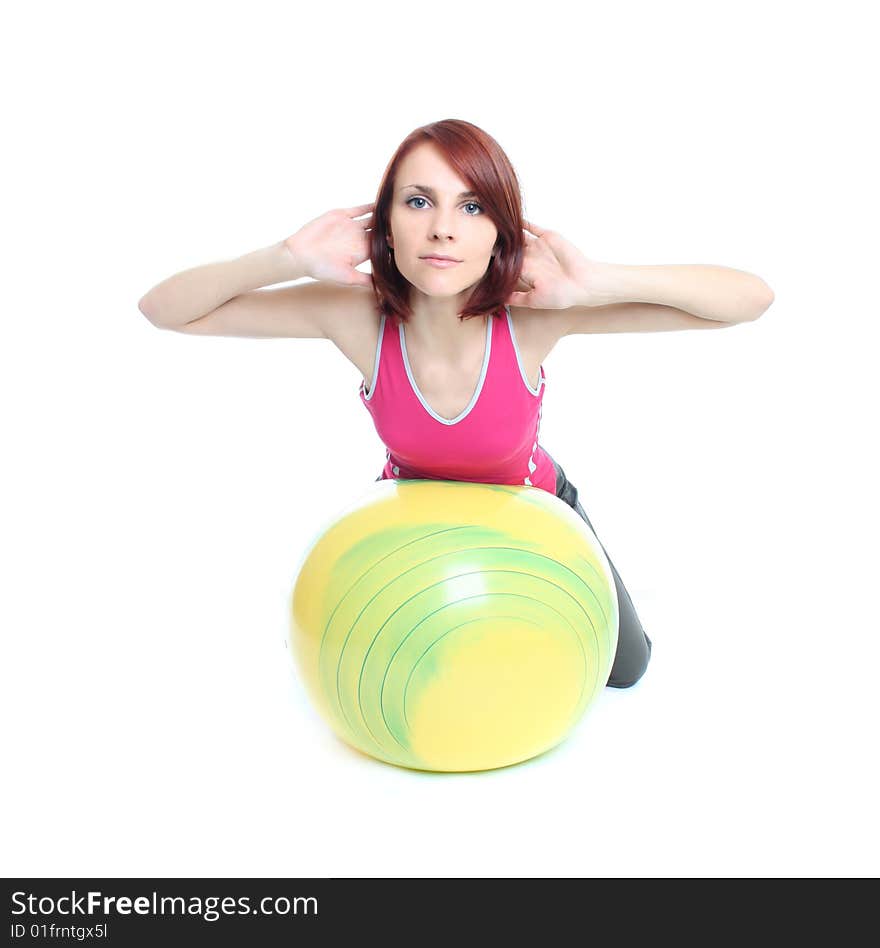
[(555, 274)]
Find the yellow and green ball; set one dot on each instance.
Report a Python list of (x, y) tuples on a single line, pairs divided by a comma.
[(454, 626)]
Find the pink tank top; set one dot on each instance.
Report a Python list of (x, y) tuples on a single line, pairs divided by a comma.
[(495, 438)]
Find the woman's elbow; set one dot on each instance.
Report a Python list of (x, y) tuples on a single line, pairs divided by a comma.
[(763, 300)]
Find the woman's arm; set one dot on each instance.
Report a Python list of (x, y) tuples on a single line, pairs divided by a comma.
[(705, 290), (193, 293), (560, 277)]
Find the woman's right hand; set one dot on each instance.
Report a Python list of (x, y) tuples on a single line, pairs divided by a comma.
[(332, 245)]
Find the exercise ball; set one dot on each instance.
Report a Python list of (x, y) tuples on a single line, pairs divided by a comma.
[(454, 626)]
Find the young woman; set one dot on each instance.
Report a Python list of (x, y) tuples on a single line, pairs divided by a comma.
[(449, 331)]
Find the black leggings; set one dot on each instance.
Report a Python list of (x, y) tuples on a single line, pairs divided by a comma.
[(633, 645)]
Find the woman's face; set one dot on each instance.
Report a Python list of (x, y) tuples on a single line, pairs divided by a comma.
[(430, 214)]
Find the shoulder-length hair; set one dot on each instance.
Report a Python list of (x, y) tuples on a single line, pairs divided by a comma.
[(479, 160)]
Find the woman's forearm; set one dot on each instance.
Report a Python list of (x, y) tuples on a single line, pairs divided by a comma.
[(713, 292), (193, 293)]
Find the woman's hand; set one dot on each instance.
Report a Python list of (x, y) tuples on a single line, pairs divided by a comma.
[(555, 274), (332, 245)]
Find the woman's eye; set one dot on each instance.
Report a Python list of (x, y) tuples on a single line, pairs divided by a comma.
[(469, 204)]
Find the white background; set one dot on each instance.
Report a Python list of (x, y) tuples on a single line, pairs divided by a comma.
[(159, 489)]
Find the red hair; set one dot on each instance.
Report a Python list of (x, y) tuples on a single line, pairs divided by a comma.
[(479, 160)]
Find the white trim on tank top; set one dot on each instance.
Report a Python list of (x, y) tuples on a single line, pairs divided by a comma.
[(376, 365), (519, 362), (477, 390), (368, 394)]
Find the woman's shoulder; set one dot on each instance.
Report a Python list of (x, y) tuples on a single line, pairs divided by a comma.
[(544, 324), (536, 332), (354, 329)]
